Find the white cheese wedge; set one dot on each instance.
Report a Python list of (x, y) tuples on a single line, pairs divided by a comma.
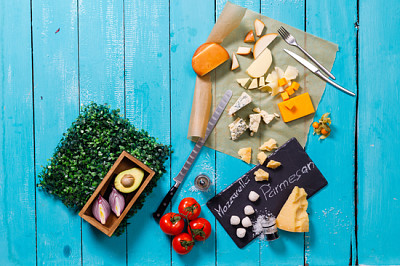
[(260, 65), (243, 50), (290, 73), (243, 82), (253, 84), (243, 100), (237, 128), (267, 118), (255, 120), (293, 216), (261, 81), (235, 62)]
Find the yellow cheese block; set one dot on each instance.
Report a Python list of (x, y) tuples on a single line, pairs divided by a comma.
[(296, 107), (293, 216)]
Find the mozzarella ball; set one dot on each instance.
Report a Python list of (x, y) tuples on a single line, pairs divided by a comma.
[(235, 220), (240, 232), (253, 196), (246, 222), (248, 210)]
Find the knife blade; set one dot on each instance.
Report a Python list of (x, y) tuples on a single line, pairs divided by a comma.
[(192, 157), (316, 71)]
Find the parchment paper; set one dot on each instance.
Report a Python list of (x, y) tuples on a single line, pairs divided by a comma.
[(224, 78)]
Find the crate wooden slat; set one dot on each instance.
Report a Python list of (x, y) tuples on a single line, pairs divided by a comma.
[(124, 162)]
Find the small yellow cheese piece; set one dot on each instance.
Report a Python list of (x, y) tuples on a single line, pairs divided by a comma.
[(253, 84), (261, 157), (302, 107), (282, 82), (289, 90), (273, 164), (245, 154), (270, 145), (293, 216), (285, 96), (261, 175)]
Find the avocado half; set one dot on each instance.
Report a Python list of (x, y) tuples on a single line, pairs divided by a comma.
[(129, 180)]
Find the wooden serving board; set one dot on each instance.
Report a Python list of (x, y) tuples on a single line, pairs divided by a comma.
[(297, 169)]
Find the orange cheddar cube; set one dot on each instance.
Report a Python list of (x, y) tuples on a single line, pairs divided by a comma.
[(289, 90), (302, 106), (285, 96), (295, 85), (207, 57), (282, 82), (289, 105)]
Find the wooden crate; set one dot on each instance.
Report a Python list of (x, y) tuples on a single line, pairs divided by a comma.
[(124, 162)]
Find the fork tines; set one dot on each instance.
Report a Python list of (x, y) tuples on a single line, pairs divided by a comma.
[(283, 32)]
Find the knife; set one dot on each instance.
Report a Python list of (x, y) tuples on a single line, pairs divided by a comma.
[(316, 71), (192, 157)]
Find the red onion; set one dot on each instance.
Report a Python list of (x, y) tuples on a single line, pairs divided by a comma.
[(117, 202), (101, 209)]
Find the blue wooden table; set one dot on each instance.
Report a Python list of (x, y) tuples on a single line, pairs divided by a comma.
[(136, 56)]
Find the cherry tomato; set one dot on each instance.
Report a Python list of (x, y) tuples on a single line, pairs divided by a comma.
[(189, 207), (201, 229), (172, 223), (183, 243)]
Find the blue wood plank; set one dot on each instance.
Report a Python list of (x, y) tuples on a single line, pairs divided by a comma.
[(101, 76), (56, 96), (289, 249), (228, 170), (17, 177), (332, 227), (378, 144), (148, 107), (188, 31)]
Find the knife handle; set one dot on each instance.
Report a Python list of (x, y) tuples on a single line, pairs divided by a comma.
[(164, 203), (316, 62), (319, 74)]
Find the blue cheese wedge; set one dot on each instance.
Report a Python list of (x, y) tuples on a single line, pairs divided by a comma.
[(237, 128), (255, 120), (243, 100)]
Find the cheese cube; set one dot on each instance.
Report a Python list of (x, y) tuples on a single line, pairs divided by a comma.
[(295, 85), (289, 105), (302, 107), (293, 216), (282, 82), (289, 90), (285, 96)]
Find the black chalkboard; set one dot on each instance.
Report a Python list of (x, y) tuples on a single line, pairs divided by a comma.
[(297, 169)]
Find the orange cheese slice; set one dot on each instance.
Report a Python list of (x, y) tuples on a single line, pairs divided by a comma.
[(296, 107), (207, 57)]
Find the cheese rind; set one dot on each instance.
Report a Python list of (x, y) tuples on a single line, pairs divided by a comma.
[(302, 106), (293, 216), (245, 154), (243, 100), (237, 128)]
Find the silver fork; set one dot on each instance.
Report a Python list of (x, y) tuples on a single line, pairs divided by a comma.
[(289, 39)]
